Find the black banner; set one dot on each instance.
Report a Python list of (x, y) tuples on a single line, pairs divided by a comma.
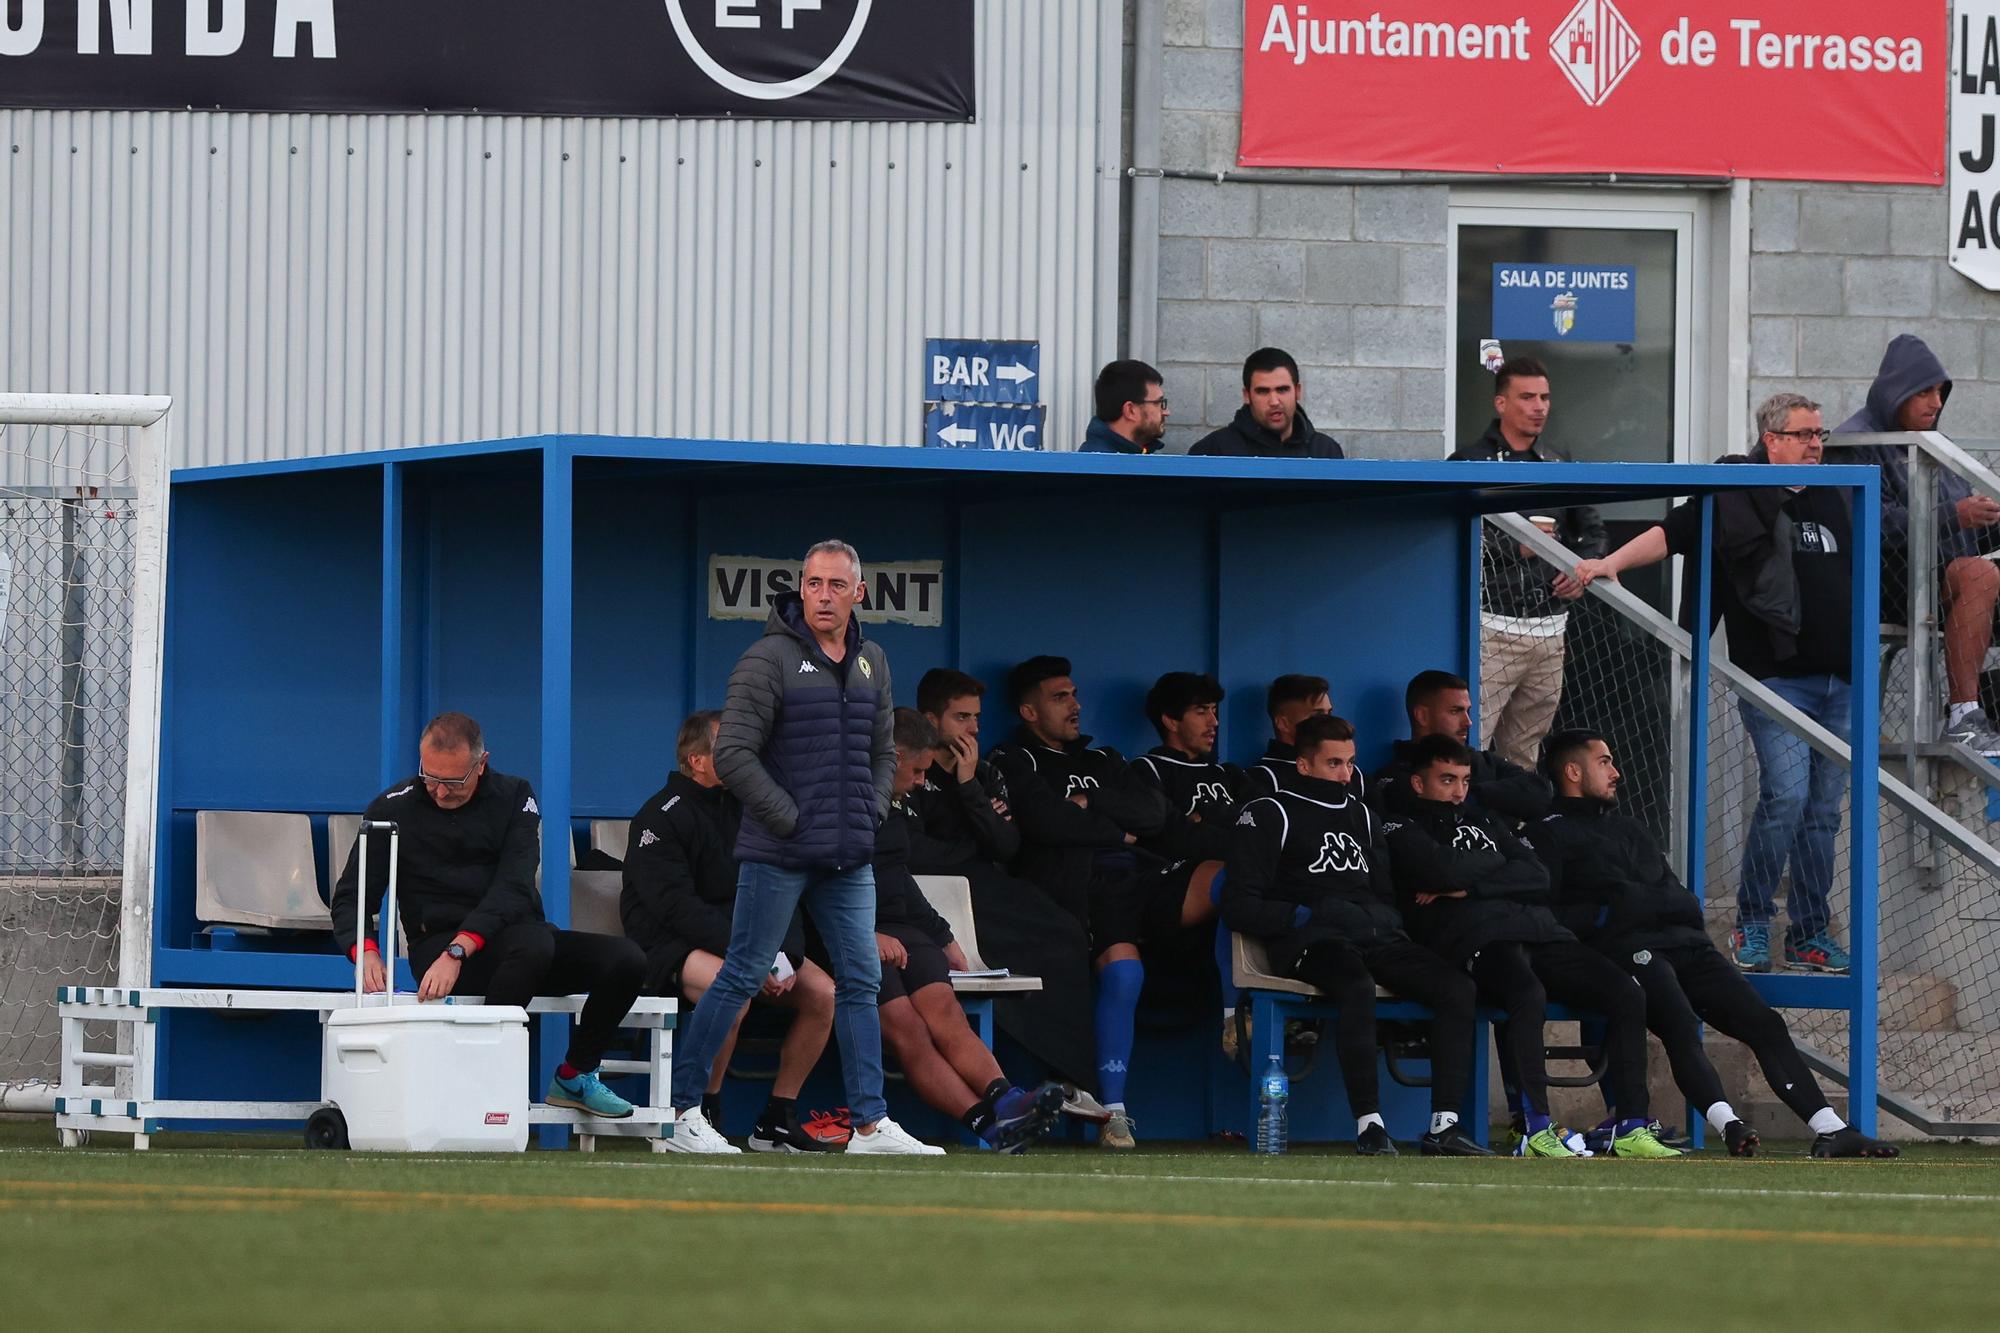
[(791, 59)]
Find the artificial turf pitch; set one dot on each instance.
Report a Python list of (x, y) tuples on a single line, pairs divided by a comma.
[(257, 1234)]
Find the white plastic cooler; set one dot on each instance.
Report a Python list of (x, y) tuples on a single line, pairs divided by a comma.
[(409, 1077)]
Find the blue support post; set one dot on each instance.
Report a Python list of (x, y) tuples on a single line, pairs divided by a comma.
[(1475, 532), (558, 589), (1863, 858), (396, 744)]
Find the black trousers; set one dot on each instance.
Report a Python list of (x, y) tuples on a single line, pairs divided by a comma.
[(1349, 973), (534, 958), (1686, 987), (1523, 978)]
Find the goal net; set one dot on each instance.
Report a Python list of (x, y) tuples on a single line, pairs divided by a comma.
[(82, 491)]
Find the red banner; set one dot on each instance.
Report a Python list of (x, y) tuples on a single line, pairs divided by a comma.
[(1849, 90)]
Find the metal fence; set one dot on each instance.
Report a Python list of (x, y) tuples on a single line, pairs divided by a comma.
[(1626, 673), (66, 563)]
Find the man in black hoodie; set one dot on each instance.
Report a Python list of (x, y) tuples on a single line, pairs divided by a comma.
[(677, 903), (965, 826), (1523, 604), (1784, 573), (1909, 394), (1271, 423), (1082, 813), (1309, 875), (1615, 890), (1440, 704), (1472, 891)]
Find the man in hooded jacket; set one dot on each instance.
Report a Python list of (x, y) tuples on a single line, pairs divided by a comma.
[(1271, 423), (1909, 394)]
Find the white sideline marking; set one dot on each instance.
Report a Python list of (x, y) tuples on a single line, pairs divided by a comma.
[(681, 1163)]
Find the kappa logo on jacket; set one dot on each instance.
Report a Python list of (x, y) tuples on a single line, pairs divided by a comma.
[(672, 801), (531, 808), (648, 838), (1208, 791), (1078, 782), (400, 791), (1338, 852), (1472, 838), (1247, 819), (807, 667)]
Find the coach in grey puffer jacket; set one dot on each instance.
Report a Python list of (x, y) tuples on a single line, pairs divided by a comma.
[(806, 744)]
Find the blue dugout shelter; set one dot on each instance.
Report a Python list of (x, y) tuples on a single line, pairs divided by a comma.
[(560, 590)]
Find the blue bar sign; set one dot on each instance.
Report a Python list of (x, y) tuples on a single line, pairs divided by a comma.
[(975, 370)]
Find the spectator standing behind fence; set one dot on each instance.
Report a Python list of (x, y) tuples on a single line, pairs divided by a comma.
[(469, 846), (1271, 423), (1131, 411), (1782, 584), (1523, 611), (806, 743), (1909, 394)]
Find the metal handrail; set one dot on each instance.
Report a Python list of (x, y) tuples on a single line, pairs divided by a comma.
[(1676, 639)]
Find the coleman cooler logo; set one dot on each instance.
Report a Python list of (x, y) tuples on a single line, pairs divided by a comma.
[(496, 1117), (1596, 48), (1564, 309), (767, 27)]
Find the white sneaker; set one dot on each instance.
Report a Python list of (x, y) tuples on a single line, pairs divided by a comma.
[(1085, 1107), (890, 1140), (692, 1133)]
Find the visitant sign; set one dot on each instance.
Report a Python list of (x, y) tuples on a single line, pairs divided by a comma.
[(1832, 90), (792, 59)]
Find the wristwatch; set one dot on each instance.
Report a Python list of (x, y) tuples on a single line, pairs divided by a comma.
[(456, 951)]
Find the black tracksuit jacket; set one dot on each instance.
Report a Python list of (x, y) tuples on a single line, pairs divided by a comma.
[(1064, 846), (1503, 788), (1438, 847), (899, 902), (1191, 788), (1612, 886), (956, 821), (471, 869), (1316, 846)]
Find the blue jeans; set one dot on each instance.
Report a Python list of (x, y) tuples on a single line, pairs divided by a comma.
[(842, 904), (1798, 808)]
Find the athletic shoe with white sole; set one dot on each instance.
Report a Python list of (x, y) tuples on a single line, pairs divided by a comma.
[(1083, 1106), (783, 1136), (890, 1140), (692, 1133), (1119, 1133)]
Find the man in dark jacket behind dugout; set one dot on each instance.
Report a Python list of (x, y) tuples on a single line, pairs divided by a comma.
[(1909, 394), (1271, 423), (1523, 603)]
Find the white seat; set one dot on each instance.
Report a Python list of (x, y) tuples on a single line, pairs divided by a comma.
[(256, 868), (593, 901), (341, 831), (610, 836), (951, 896)]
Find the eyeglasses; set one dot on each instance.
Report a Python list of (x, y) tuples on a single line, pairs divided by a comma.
[(453, 784), (1821, 435), (1160, 403)]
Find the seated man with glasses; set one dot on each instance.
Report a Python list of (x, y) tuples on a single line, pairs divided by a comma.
[(1783, 585), (469, 849)]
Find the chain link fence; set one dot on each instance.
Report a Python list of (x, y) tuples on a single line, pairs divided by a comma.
[(66, 564), (1625, 673)]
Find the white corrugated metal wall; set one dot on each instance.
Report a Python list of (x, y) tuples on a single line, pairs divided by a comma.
[(317, 284)]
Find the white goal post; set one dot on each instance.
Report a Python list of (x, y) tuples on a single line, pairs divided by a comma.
[(83, 518)]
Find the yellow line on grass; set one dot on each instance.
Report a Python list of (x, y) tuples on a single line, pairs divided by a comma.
[(93, 1196)]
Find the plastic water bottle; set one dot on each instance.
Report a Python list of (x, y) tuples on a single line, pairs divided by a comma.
[(1274, 1100)]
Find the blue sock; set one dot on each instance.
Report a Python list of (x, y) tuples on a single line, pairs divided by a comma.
[(1537, 1122), (1627, 1126), (1118, 986)]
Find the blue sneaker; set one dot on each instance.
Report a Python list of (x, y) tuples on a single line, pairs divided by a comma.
[(1022, 1115), (586, 1092), (1752, 946), (1815, 953)]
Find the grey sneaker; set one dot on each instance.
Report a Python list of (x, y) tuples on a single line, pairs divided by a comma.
[(1083, 1106), (1117, 1133), (1975, 733)]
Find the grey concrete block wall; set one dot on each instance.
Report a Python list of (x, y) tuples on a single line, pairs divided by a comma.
[(1350, 279), (1838, 270)]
